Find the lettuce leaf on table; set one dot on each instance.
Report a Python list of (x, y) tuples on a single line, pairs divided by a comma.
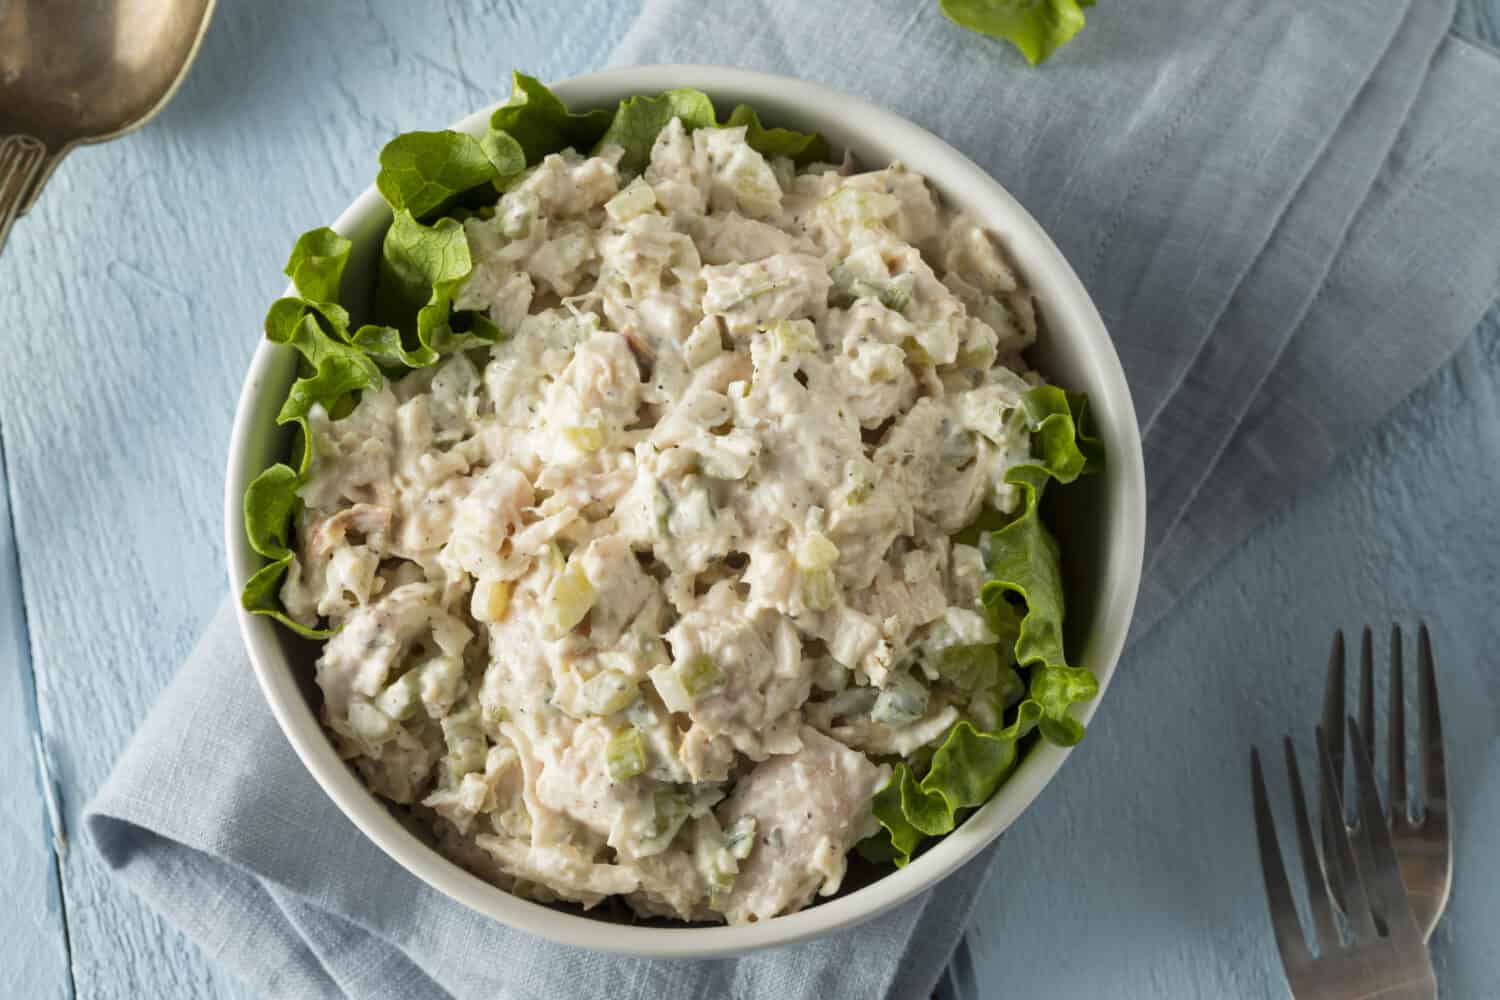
[(1024, 599), (1036, 27)]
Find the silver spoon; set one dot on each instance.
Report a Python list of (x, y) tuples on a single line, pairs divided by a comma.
[(80, 71)]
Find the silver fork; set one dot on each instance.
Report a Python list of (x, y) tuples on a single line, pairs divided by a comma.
[(1424, 848), (1385, 955)]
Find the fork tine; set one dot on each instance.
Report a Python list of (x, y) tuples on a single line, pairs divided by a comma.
[(1379, 870), (1329, 810), (1434, 773), (1325, 934), (1367, 691), (1396, 794), (1356, 902), (1333, 701), (1284, 924)]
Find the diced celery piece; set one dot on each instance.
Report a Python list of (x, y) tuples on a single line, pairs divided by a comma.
[(819, 589), (608, 692), (491, 600), (401, 697), (717, 864), (370, 723), (625, 755), (728, 456), (897, 295), (440, 679), (915, 352), (840, 294), (703, 344), (720, 874), (739, 839), (660, 509), (794, 336), (467, 746), (903, 701), (586, 437), (817, 552), (937, 342), (637, 199), (753, 181), (568, 601), (700, 677), (672, 810), (668, 683), (495, 714)]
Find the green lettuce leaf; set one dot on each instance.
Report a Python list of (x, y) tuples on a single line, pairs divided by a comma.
[(331, 369), (966, 771), (536, 119), (802, 147), (270, 503), (541, 124), (421, 269), (316, 266), (1023, 600), (1036, 27), (507, 156), (420, 172), (636, 123)]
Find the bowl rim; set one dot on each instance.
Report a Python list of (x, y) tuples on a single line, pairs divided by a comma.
[(1070, 308)]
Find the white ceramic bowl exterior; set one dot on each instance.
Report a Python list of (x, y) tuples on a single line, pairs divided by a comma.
[(1077, 353)]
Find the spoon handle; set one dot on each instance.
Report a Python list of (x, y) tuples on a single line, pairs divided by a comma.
[(23, 162)]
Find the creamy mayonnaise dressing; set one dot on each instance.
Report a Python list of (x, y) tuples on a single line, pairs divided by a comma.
[(644, 600)]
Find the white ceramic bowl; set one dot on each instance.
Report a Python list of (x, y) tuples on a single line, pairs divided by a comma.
[(1103, 519)]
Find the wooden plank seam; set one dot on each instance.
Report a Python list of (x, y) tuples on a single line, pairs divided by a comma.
[(57, 841)]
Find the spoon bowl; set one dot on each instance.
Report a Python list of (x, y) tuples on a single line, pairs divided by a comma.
[(81, 71)]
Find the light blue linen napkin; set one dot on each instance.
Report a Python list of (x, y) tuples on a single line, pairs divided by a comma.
[(1233, 181)]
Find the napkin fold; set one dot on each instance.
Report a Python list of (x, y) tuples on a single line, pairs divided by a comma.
[(1278, 205)]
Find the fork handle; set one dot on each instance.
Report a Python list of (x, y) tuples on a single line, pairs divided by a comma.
[(25, 162)]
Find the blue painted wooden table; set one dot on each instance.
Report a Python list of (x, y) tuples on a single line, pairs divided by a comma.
[(130, 301)]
